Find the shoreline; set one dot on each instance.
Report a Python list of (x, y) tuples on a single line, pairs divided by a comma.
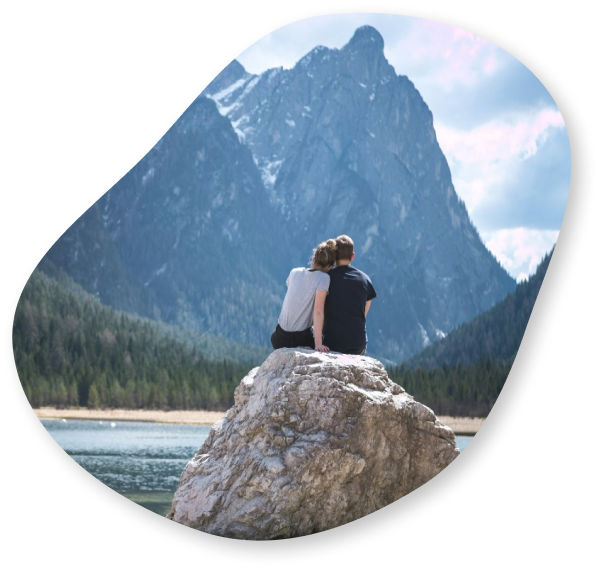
[(462, 426), (183, 417)]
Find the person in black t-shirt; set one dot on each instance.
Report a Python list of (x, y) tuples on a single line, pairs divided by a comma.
[(347, 304)]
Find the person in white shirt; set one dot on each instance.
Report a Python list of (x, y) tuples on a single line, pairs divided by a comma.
[(304, 303)]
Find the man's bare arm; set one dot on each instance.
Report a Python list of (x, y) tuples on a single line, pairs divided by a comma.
[(367, 306)]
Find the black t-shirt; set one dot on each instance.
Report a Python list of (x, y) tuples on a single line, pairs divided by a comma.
[(345, 322)]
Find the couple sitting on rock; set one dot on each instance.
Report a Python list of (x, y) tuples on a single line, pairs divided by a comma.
[(333, 300)]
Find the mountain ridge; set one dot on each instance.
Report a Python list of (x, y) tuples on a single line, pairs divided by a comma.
[(202, 232)]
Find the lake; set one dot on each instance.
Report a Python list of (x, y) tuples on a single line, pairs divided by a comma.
[(141, 461)]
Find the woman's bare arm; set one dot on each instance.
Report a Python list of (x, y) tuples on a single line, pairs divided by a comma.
[(367, 306), (318, 319)]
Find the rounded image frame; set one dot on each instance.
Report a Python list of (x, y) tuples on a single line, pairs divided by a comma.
[(501, 422)]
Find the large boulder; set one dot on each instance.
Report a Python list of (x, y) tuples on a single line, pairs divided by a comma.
[(313, 441)]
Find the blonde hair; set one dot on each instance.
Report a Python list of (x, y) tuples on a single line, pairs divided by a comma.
[(324, 255)]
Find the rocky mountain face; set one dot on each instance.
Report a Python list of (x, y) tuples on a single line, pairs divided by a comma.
[(344, 145), (259, 169)]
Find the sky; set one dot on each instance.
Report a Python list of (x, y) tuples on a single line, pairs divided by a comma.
[(501, 131)]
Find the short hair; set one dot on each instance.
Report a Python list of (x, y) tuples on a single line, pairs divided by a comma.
[(345, 248)]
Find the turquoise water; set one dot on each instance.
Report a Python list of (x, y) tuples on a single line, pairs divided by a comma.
[(141, 461)]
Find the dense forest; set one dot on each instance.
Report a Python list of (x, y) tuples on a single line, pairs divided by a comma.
[(70, 350), (466, 391)]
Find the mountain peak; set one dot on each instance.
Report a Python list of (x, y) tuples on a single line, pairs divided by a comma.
[(366, 37)]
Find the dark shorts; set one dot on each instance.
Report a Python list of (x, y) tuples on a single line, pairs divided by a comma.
[(352, 352), (345, 350), (282, 339)]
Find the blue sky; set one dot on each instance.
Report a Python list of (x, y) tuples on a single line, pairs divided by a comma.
[(502, 133)]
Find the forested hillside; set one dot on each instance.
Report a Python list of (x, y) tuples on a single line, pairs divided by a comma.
[(465, 391), (71, 350), (464, 373)]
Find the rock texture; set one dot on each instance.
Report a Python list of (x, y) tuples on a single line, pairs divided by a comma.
[(313, 441)]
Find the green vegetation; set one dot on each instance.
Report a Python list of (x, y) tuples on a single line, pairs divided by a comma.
[(70, 350), (468, 391)]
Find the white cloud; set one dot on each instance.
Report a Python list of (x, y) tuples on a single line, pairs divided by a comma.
[(482, 158), (440, 55), (520, 250)]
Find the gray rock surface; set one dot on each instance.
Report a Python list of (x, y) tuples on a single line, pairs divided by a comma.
[(313, 441)]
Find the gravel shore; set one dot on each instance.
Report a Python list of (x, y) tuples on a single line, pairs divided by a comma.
[(460, 425)]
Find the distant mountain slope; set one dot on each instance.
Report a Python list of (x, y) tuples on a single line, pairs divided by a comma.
[(495, 334), (186, 236), (203, 231)]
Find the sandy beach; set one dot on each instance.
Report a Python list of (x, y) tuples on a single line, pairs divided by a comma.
[(460, 425), (143, 415)]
